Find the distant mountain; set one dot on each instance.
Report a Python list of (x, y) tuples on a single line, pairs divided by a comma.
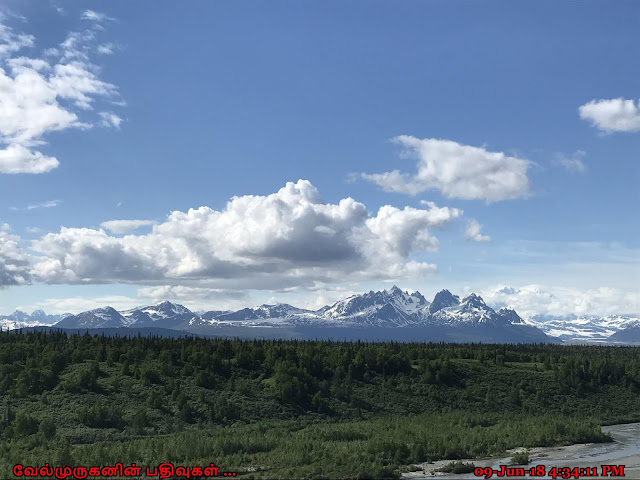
[(470, 311), (99, 318), (386, 314), (19, 319), (162, 315), (630, 334), (443, 299), (584, 327), (279, 311), (212, 314), (386, 308)]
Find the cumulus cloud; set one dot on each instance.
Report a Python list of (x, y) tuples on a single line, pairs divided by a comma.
[(288, 238), (125, 226), (530, 300), (572, 163), (612, 115), (18, 159), (457, 171), (14, 262), (44, 95), (473, 234)]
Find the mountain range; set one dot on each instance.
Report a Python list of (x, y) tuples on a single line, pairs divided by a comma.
[(383, 315), (19, 319), (584, 327)]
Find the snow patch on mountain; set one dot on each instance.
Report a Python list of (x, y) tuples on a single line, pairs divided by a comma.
[(583, 327), (38, 318)]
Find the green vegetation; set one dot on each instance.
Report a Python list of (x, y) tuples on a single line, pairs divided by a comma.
[(458, 467), (284, 409), (520, 458)]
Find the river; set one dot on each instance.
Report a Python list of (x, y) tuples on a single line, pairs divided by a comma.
[(624, 450)]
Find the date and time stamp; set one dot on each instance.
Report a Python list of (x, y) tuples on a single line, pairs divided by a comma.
[(542, 471)]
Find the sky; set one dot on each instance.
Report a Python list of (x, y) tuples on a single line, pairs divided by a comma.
[(228, 154)]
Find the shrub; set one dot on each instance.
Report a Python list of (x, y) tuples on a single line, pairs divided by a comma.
[(458, 467), (520, 458)]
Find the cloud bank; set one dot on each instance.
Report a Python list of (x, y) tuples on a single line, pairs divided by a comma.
[(288, 238), (529, 300)]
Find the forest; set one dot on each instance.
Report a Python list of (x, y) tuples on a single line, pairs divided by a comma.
[(299, 409)]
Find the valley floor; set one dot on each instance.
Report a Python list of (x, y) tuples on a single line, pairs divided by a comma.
[(299, 409)]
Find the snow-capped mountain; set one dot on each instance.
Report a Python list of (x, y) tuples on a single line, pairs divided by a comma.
[(382, 312), (472, 310), (19, 319), (386, 308), (583, 327), (443, 299), (387, 314), (106, 317), (162, 315), (279, 310), (382, 309)]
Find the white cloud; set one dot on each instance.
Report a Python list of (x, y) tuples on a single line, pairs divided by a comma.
[(110, 119), (529, 300), (289, 238), (458, 171), (472, 232), (18, 159), (32, 92), (125, 226), (14, 262), (573, 162), (613, 115), (94, 16)]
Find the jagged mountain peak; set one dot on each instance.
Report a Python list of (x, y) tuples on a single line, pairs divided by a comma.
[(474, 302), (395, 290), (385, 307), (443, 299), (510, 315), (374, 309), (168, 306)]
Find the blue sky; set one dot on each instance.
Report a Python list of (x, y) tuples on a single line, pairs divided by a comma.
[(519, 121)]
